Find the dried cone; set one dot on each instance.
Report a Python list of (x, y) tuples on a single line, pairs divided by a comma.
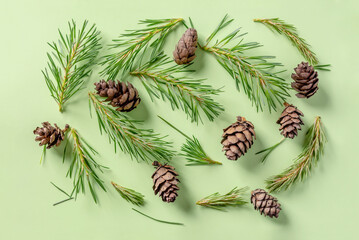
[(165, 182), (238, 138), (121, 95), (52, 136), (265, 203), (185, 50), (290, 121), (305, 80)]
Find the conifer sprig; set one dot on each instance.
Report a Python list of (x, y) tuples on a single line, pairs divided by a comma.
[(190, 95), (129, 195), (141, 144), (83, 167), (192, 150), (135, 42), (303, 164), (254, 74), (71, 61), (291, 33), (233, 198)]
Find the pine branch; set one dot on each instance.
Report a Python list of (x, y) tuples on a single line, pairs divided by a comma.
[(254, 74), (83, 166), (269, 150), (291, 33), (129, 195), (141, 144), (71, 61), (184, 93), (233, 198), (303, 164), (157, 220), (192, 150), (135, 43)]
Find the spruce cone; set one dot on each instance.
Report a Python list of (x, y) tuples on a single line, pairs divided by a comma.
[(165, 182), (185, 50), (265, 203), (121, 95), (290, 121), (52, 136), (238, 138), (305, 80)]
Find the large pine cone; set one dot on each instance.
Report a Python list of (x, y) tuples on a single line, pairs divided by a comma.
[(265, 203), (185, 50), (165, 182), (290, 121), (52, 136), (238, 138), (121, 95), (305, 80)]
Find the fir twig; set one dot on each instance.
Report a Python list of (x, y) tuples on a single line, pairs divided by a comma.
[(83, 166), (291, 33), (233, 198), (135, 43), (192, 150), (129, 195), (190, 95), (157, 220), (269, 150), (303, 164), (71, 61), (254, 74), (141, 144)]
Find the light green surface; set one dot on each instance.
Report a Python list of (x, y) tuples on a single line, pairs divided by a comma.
[(323, 207)]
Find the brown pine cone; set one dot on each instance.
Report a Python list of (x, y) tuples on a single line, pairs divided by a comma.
[(165, 182), (305, 80), (185, 50), (265, 203), (238, 138), (106, 89), (52, 136), (290, 121)]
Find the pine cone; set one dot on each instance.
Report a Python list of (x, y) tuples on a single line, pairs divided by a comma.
[(185, 50), (305, 80), (121, 95), (265, 203), (52, 136), (290, 121), (165, 182), (238, 138)]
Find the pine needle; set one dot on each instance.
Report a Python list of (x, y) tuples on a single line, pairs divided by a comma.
[(157, 220), (141, 144), (303, 164), (233, 198), (71, 61), (192, 150), (255, 75), (129, 195), (269, 150)]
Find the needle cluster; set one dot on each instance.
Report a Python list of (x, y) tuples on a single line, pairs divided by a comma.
[(129, 195)]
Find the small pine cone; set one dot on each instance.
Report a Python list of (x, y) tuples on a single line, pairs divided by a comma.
[(107, 89), (266, 204), (238, 138), (52, 136), (290, 121), (165, 182), (185, 50), (127, 98), (305, 80)]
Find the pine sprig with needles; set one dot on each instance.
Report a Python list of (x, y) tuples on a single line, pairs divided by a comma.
[(233, 198), (190, 95), (254, 74), (71, 61), (135, 42), (129, 195), (141, 144), (303, 164), (291, 33), (192, 150)]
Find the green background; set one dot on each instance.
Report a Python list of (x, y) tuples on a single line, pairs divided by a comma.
[(323, 207)]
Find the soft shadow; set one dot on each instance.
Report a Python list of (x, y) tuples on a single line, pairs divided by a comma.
[(320, 100), (140, 112)]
